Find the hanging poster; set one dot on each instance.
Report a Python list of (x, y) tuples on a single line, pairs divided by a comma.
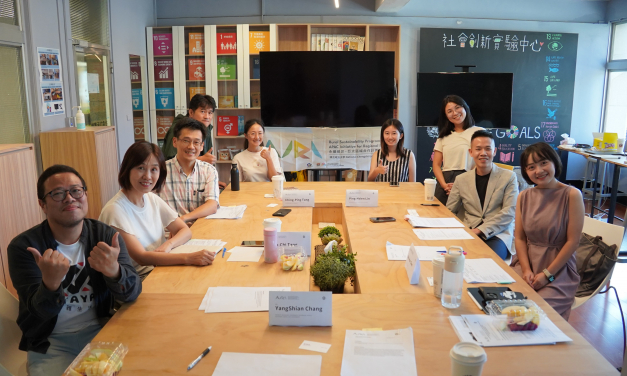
[(324, 148), (51, 83)]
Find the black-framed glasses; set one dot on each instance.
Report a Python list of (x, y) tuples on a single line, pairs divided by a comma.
[(186, 142), (59, 195)]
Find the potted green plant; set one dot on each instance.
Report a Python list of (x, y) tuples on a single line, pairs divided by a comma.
[(330, 274), (330, 233), (331, 270)]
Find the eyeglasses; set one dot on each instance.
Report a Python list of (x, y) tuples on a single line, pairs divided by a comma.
[(186, 142), (59, 195)]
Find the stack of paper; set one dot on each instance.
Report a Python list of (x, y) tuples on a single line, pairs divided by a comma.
[(389, 352), (485, 331), (195, 245), (433, 222), (242, 364), (442, 234), (228, 212), (485, 271), (399, 252), (238, 299)]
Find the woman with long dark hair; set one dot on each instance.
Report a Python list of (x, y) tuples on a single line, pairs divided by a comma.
[(392, 163), (255, 162), (450, 154)]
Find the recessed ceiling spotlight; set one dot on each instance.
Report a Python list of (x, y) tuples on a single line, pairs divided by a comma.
[(337, 3)]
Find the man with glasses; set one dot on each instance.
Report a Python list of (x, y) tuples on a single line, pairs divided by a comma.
[(191, 185), (201, 108), (67, 271)]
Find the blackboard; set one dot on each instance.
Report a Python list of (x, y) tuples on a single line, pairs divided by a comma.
[(543, 65)]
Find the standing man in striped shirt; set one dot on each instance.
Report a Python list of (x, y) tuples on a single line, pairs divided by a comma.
[(191, 186)]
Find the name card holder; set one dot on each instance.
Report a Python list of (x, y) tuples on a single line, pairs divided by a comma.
[(412, 265), (362, 197), (300, 308), (298, 198)]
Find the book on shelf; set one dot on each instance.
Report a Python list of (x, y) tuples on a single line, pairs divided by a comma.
[(164, 96), (360, 43), (163, 125), (258, 41), (227, 69), (226, 43), (318, 41), (197, 90), (136, 71), (196, 43), (255, 99), (196, 69), (353, 43), (162, 44), (240, 125), (345, 43), (256, 68), (314, 42), (164, 70), (226, 101), (229, 125), (137, 98), (138, 127)]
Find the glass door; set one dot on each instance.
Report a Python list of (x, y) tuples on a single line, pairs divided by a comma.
[(94, 83)]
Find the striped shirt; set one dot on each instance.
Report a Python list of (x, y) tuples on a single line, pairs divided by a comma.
[(398, 170), (186, 193)]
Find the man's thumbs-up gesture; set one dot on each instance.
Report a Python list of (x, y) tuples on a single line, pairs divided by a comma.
[(53, 265), (104, 258)]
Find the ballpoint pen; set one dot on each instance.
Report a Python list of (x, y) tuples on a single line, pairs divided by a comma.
[(192, 364), (223, 251)]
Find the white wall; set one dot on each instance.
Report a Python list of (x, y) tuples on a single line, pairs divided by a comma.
[(616, 10), (556, 16), (129, 20)]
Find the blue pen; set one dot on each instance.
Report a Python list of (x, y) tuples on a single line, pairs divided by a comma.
[(223, 251)]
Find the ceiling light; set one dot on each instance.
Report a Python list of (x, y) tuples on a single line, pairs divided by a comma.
[(337, 3)]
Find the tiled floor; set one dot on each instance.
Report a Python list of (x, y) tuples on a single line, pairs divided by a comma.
[(599, 319)]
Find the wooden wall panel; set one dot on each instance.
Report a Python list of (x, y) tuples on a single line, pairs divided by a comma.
[(18, 201), (107, 156)]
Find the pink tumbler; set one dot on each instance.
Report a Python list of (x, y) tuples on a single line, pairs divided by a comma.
[(270, 249)]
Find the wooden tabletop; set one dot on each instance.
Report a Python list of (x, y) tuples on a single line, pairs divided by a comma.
[(165, 331)]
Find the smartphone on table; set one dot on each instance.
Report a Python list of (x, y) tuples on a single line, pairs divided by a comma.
[(382, 219), (281, 212), (252, 243)]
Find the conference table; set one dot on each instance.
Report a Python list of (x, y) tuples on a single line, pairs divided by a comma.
[(165, 331)]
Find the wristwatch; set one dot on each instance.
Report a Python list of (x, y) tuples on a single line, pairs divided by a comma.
[(548, 275)]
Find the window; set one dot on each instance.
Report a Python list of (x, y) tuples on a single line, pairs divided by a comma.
[(615, 116), (8, 14), (15, 128)]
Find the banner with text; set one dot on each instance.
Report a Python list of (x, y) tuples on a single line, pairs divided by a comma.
[(324, 148)]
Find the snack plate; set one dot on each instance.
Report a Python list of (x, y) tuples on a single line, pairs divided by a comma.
[(98, 359), (516, 315)]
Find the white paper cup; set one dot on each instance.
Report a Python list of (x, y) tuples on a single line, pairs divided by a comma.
[(467, 359), (438, 273), (277, 185), (430, 189), (272, 222)]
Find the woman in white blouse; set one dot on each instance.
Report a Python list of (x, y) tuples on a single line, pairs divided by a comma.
[(257, 163), (450, 154)]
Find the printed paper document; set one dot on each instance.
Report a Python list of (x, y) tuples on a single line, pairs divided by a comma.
[(228, 212), (388, 352), (195, 245), (442, 234), (242, 364), (399, 252), (433, 222), (485, 331), (238, 299), (245, 254), (485, 271)]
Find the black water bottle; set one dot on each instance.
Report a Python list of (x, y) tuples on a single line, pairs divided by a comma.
[(234, 177)]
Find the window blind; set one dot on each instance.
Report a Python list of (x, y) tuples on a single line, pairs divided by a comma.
[(13, 107), (90, 21)]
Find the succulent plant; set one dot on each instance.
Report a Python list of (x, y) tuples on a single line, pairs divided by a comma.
[(329, 230), (329, 237), (330, 274)]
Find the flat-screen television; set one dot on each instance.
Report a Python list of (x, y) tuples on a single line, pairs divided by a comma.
[(326, 89), (489, 96)]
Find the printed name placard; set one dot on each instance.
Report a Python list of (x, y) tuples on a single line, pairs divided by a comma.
[(298, 198), (295, 239), (304, 308), (412, 265), (362, 197)]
